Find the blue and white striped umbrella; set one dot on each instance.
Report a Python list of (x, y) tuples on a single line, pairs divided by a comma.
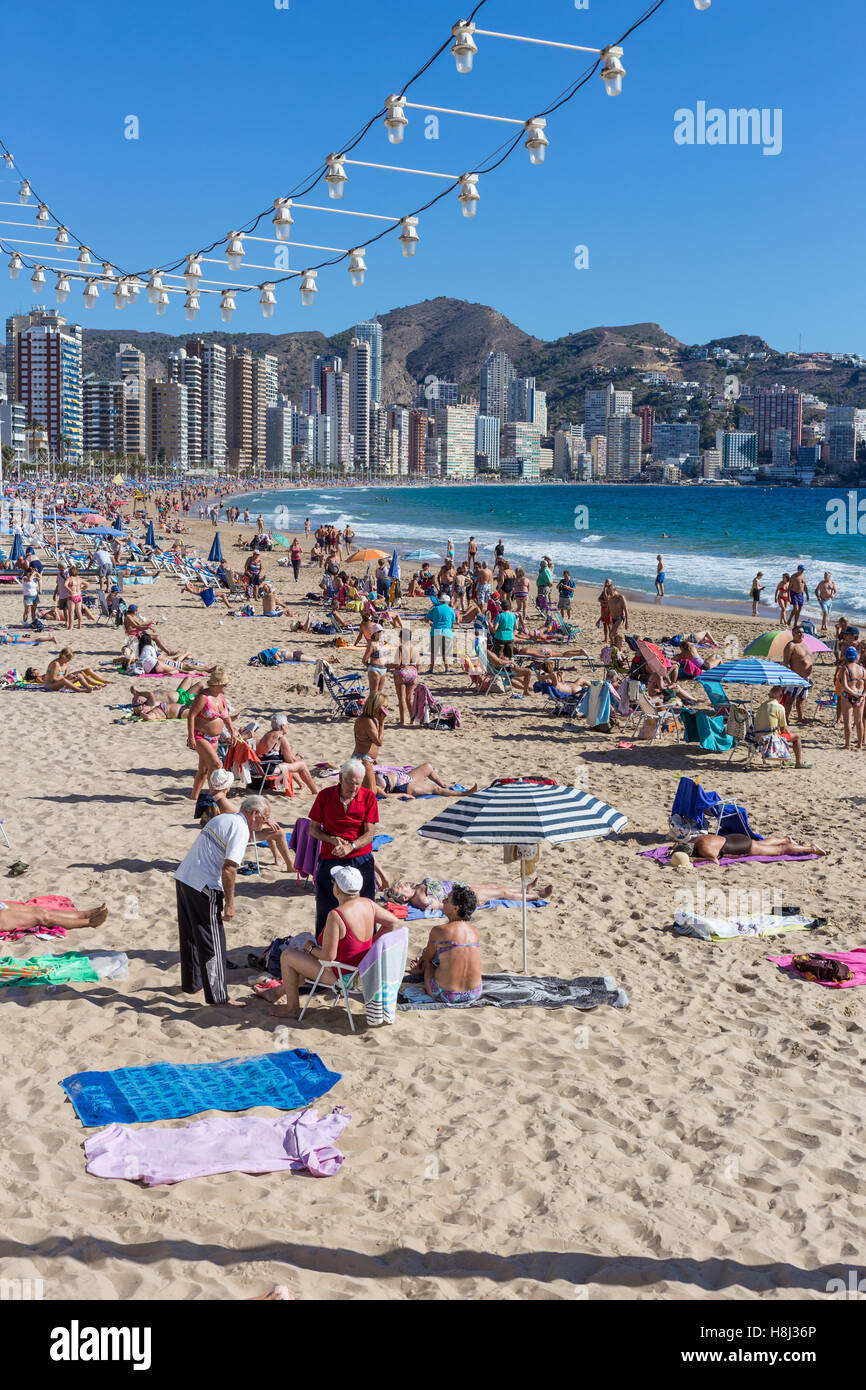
[(522, 811), (752, 670)]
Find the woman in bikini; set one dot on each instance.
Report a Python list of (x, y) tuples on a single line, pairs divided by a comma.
[(369, 731), (432, 892), (206, 717), (714, 847), (451, 960), (24, 917), (782, 596), (146, 706), (520, 595), (375, 659), (253, 575), (415, 781), (75, 599), (349, 931), (405, 679), (604, 604), (277, 756), (59, 677)]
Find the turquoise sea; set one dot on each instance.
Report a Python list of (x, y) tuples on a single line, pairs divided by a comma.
[(717, 537)]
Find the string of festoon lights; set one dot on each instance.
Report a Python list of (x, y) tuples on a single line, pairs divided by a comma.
[(159, 281)]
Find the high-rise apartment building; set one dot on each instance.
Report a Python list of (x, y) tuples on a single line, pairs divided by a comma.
[(244, 403), (371, 332), (738, 449), (497, 374), (488, 430), (104, 421), (43, 364), (569, 445), (335, 404), (185, 367), (272, 378), (359, 401), (671, 440), (129, 367), (213, 400), (623, 447), (775, 410), (599, 405), (397, 420), (419, 429), (782, 449), (647, 416), (455, 432), (279, 437), (522, 440), (167, 423)]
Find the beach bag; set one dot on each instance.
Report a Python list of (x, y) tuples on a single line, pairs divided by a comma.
[(37, 625), (821, 969), (266, 658), (119, 613)]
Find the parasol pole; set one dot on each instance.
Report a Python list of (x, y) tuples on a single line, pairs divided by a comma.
[(523, 887)]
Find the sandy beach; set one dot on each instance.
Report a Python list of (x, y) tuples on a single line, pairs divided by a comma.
[(702, 1144)]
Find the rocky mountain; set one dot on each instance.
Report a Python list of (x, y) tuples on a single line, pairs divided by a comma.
[(449, 338)]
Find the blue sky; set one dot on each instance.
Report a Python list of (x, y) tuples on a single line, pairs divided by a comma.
[(237, 103)]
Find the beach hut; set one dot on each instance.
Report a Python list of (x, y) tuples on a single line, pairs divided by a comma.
[(521, 811)]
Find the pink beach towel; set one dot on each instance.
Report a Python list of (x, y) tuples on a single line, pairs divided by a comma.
[(855, 960), (46, 900), (236, 1144)]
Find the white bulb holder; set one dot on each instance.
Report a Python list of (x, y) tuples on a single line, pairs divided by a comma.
[(309, 288), (191, 306), (42, 213), (62, 237), (133, 285), (612, 71), (192, 273), (91, 294), (37, 279), (396, 120), (282, 218), (8, 160), (536, 140), (62, 289), (163, 299), (121, 295), (15, 264), (84, 255), (336, 176), (357, 266), (154, 286), (409, 237), (464, 47), (469, 195), (267, 301), (24, 191), (227, 306), (108, 275), (235, 250)]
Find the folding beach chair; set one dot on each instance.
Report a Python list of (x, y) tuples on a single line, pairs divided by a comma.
[(347, 979), (696, 811), (104, 615), (347, 692), (661, 719), (716, 695), (741, 727)]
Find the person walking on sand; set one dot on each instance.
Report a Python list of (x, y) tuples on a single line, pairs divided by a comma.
[(660, 576), (206, 718), (825, 592), (799, 659), (205, 890), (782, 598), (853, 695), (799, 593), (471, 552), (617, 609), (757, 587)]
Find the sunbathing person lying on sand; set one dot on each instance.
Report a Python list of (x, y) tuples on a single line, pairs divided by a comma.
[(22, 916), (199, 589), (432, 892), (451, 960), (221, 783), (59, 677), (714, 847), (423, 780), (148, 707)]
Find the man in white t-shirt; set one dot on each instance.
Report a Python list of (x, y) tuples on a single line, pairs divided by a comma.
[(205, 886), (104, 564)]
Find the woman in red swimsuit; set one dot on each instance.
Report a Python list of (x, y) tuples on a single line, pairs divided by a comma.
[(349, 932), (206, 717)]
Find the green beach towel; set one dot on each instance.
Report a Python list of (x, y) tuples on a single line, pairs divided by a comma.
[(47, 969)]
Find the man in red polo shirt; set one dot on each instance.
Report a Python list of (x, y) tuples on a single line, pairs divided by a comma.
[(343, 818)]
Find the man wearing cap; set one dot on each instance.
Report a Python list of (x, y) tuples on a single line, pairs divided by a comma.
[(442, 619), (135, 625), (343, 818), (205, 887), (853, 695)]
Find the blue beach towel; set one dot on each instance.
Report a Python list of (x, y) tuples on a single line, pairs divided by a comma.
[(494, 902), (163, 1091)]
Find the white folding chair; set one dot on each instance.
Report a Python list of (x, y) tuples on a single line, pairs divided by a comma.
[(347, 979)]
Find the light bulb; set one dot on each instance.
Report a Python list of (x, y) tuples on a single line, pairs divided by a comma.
[(42, 213), (703, 4), (37, 279), (8, 160), (163, 300), (464, 46), (62, 289), (336, 176), (536, 140), (268, 301), (282, 218), (396, 120), (235, 250), (191, 306), (409, 237), (24, 191), (154, 285), (469, 195), (357, 266), (308, 288), (192, 274), (227, 306), (121, 295), (84, 256), (15, 264), (612, 71), (91, 294), (62, 237)]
